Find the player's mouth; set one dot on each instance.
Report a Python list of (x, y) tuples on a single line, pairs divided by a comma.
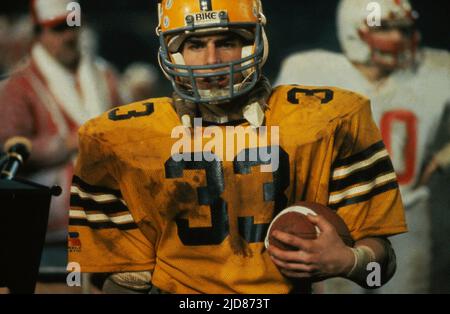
[(221, 81), (392, 59)]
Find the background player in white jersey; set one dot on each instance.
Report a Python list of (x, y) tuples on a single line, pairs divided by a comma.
[(408, 87)]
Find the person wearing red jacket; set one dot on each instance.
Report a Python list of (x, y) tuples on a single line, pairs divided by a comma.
[(60, 87)]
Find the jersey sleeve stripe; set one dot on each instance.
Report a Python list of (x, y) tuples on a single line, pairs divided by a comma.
[(361, 189), (365, 197), (90, 205), (99, 217), (106, 203), (381, 167), (363, 156), (99, 198), (98, 207), (101, 225), (93, 189), (342, 172)]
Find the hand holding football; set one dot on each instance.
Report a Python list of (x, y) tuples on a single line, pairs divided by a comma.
[(293, 220)]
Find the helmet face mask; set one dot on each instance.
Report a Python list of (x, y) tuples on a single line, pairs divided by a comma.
[(242, 73), (391, 46)]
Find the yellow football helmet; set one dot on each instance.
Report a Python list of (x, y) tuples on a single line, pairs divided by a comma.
[(179, 19)]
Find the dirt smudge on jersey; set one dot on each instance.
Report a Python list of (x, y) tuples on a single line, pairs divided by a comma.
[(240, 247), (101, 136), (238, 244), (154, 187), (184, 192), (110, 242), (179, 200)]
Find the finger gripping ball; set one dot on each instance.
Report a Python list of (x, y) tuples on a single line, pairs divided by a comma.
[(293, 220)]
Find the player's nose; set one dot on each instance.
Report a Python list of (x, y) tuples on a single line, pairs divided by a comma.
[(212, 54)]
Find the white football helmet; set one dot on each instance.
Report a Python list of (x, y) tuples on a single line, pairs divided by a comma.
[(358, 42)]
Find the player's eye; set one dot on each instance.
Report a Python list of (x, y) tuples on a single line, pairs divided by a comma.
[(231, 42), (228, 44), (195, 45)]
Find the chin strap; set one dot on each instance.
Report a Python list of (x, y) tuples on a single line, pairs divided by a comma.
[(250, 107), (256, 106)]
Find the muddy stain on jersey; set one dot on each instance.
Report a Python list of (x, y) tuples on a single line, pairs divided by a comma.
[(154, 187), (179, 199)]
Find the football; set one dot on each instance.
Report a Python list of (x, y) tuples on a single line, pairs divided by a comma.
[(293, 220)]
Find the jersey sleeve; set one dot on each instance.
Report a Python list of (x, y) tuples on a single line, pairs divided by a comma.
[(363, 186), (105, 233)]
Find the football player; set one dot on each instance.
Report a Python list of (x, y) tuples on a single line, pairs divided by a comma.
[(192, 221), (408, 87)]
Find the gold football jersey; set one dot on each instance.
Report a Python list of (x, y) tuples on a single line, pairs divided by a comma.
[(193, 205)]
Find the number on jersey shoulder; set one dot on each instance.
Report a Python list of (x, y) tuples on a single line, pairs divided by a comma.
[(149, 108), (326, 95)]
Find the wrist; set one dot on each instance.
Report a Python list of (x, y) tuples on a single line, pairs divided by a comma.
[(362, 256), (349, 261)]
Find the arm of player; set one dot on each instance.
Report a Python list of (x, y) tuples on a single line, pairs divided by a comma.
[(441, 160), (328, 256), (107, 232), (363, 190), (439, 150), (372, 249)]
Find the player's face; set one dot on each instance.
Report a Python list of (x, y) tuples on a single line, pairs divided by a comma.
[(210, 50), (62, 42), (391, 47)]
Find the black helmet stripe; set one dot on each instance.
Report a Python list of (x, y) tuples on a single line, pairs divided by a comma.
[(205, 5)]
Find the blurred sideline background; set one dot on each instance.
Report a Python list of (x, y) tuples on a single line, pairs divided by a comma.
[(126, 29)]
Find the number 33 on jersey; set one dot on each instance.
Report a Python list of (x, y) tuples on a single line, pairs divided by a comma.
[(137, 206)]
